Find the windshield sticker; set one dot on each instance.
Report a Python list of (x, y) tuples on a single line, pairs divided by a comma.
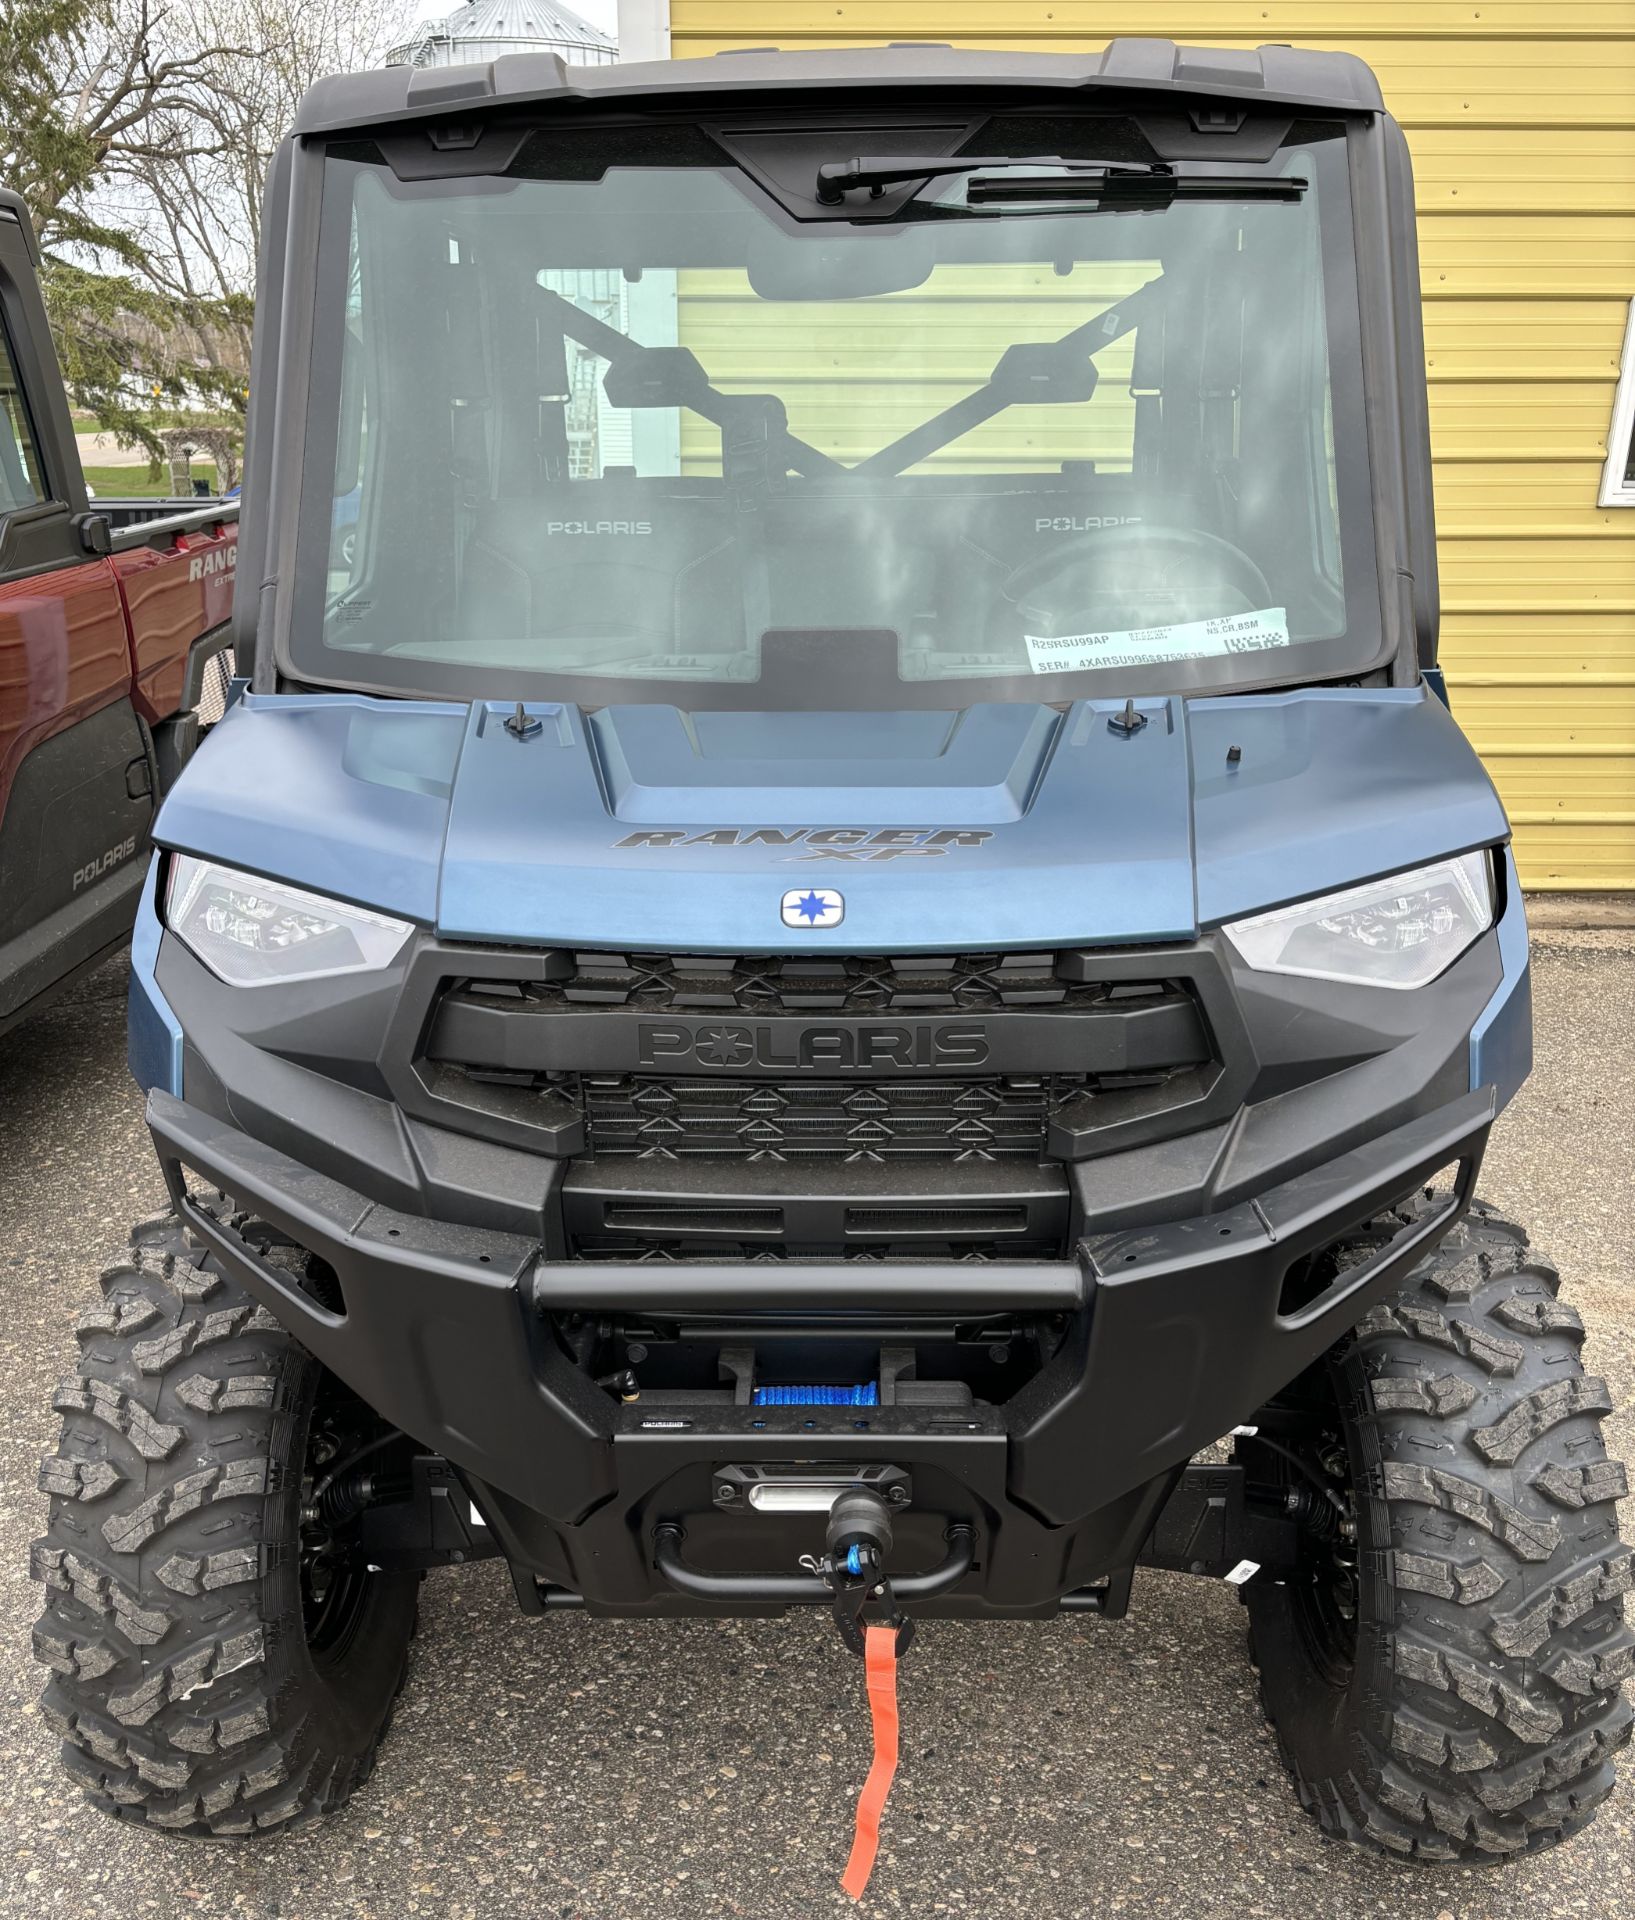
[(1143, 646)]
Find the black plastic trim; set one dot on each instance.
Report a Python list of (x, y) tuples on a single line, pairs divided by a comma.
[(631, 1204), (1187, 1329), (1169, 1338), (800, 1589), (925, 73), (308, 1068), (607, 1040), (73, 853), (52, 534), (162, 533), (433, 1333), (954, 1287)]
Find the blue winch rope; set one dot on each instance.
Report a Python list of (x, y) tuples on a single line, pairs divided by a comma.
[(867, 1395)]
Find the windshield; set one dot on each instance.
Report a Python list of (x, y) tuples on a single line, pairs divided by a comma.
[(612, 425)]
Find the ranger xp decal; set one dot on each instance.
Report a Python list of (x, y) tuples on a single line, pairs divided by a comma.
[(822, 843)]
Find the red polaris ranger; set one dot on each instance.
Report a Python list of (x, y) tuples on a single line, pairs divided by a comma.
[(109, 617)]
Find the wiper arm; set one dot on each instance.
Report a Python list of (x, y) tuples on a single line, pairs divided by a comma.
[(1158, 186), (1122, 182), (837, 178)]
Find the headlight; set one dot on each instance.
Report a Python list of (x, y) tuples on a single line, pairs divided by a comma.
[(255, 932), (1398, 932)]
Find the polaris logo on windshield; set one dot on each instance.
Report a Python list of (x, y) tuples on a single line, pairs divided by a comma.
[(628, 529), (1085, 522), (857, 1049)]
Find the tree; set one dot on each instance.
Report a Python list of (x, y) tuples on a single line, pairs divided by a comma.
[(193, 191), (140, 131), (86, 85)]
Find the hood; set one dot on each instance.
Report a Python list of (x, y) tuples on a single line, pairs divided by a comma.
[(1003, 826)]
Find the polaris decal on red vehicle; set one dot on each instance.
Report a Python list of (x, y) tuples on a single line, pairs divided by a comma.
[(95, 869)]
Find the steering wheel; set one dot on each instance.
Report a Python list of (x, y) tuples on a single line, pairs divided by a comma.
[(1157, 573)]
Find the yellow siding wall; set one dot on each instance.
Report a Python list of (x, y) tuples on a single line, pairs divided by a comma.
[(1521, 116), (851, 384)]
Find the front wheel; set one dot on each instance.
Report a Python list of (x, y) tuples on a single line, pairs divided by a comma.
[(222, 1661), (1444, 1672)]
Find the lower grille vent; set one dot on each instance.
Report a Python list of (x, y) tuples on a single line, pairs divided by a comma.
[(842, 1121), (881, 1222), (674, 1216)]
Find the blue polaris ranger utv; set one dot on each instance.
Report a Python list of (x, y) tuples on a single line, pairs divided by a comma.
[(850, 928)]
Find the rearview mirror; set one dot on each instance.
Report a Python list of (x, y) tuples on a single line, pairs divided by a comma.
[(1046, 370), (655, 377), (820, 266)]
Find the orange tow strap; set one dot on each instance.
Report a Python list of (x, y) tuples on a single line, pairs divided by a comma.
[(880, 1664)]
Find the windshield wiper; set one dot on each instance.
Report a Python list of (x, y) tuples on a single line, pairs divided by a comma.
[(837, 178), (1123, 182), (1156, 186)]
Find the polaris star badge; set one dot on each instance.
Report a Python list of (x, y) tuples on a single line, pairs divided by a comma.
[(813, 907)]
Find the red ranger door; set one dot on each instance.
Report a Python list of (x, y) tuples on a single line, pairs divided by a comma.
[(76, 784)]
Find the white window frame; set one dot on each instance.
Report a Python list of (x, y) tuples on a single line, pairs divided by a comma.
[(1616, 491)]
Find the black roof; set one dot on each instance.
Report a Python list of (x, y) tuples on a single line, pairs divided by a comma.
[(1267, 76)]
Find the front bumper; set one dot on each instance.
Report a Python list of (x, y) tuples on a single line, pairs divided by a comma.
[(1170, 1335)]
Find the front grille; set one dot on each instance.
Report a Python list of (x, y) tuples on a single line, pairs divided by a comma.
[(922, 1106), (841, 1121), (839, 1060), (849, 984)]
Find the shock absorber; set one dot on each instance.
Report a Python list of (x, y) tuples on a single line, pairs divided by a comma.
[(345, 1498), (1310, 1511)]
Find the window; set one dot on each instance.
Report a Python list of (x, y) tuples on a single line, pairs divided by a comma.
[(20, 482), (631, 437), (1618, 475)]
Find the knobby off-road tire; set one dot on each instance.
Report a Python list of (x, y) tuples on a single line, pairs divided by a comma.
[(1482, 1703), (183, 1682)]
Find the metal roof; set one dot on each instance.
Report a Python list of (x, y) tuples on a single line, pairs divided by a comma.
[(1273, 76), (483, 30)]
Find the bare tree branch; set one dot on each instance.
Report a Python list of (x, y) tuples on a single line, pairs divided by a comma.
[(140, 132)]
